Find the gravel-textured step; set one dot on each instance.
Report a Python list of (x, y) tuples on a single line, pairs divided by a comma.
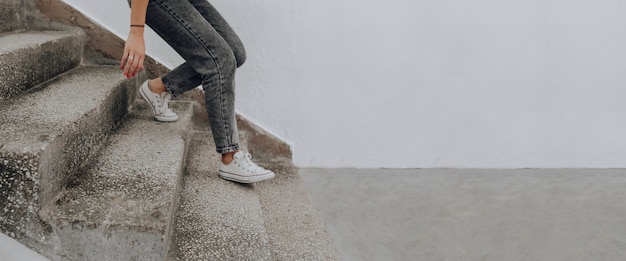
[(217, 219), (30, 58), (222, 220), (46, 135), (295, 229), (122, 207)]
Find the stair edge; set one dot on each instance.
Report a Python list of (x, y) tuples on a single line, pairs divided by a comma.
[(71, 230), (36, 176)]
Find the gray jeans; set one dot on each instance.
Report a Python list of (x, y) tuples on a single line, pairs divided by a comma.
[(212, 52)]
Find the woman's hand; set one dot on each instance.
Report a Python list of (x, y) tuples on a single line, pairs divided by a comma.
[(134, 53)]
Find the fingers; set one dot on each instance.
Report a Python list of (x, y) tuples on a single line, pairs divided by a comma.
[(137, 66), (127, 65), (133, 57), (140, 66), (123, 61), (132, 65)]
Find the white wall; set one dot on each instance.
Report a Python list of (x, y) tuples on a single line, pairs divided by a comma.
[(413, 83)]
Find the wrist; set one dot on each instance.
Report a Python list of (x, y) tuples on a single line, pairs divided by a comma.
[(136, 30)]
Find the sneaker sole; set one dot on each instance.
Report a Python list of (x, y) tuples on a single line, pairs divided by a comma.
[(158, 118), (246, 179)]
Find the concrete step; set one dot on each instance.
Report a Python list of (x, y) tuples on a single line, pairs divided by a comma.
[(295, 229), (11, 15), (47, 134), (217, 219), (223, 220), (30, 58), (122, 207)]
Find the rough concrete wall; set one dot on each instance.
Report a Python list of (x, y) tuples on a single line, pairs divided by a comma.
[(11, 15)]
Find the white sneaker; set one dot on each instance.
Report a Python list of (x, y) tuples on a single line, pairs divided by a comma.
[(158, 103), (243, 170)]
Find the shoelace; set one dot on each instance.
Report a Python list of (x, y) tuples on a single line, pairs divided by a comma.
[(253, 167), (162, 103)]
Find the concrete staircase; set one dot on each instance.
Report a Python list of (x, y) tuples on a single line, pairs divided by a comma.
[(87, 174)]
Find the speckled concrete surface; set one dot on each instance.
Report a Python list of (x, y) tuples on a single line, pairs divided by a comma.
[(37, 56), (556, 215), (296, 230), (222, 220), (36, 118), (47, 134), (217, 219), (122, 207)]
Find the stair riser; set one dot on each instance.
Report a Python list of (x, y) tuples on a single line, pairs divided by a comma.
[(19, 180), (82, 140), (84, 244), (33, 179), (110, 210), (11, 15), (37, 64)]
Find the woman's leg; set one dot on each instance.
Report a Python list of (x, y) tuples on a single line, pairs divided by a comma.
[(223, 28), (212, 54), (210, 61), (191, 79)]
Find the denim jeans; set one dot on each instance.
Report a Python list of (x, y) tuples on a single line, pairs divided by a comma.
[(212, 52)]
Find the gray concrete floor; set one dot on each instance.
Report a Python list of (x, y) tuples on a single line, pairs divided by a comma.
[(10, 249), (456, 215)]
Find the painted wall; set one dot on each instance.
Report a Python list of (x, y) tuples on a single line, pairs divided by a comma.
[(414, 83)]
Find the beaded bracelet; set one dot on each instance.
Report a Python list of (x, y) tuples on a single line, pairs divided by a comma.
[(136, 25)]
